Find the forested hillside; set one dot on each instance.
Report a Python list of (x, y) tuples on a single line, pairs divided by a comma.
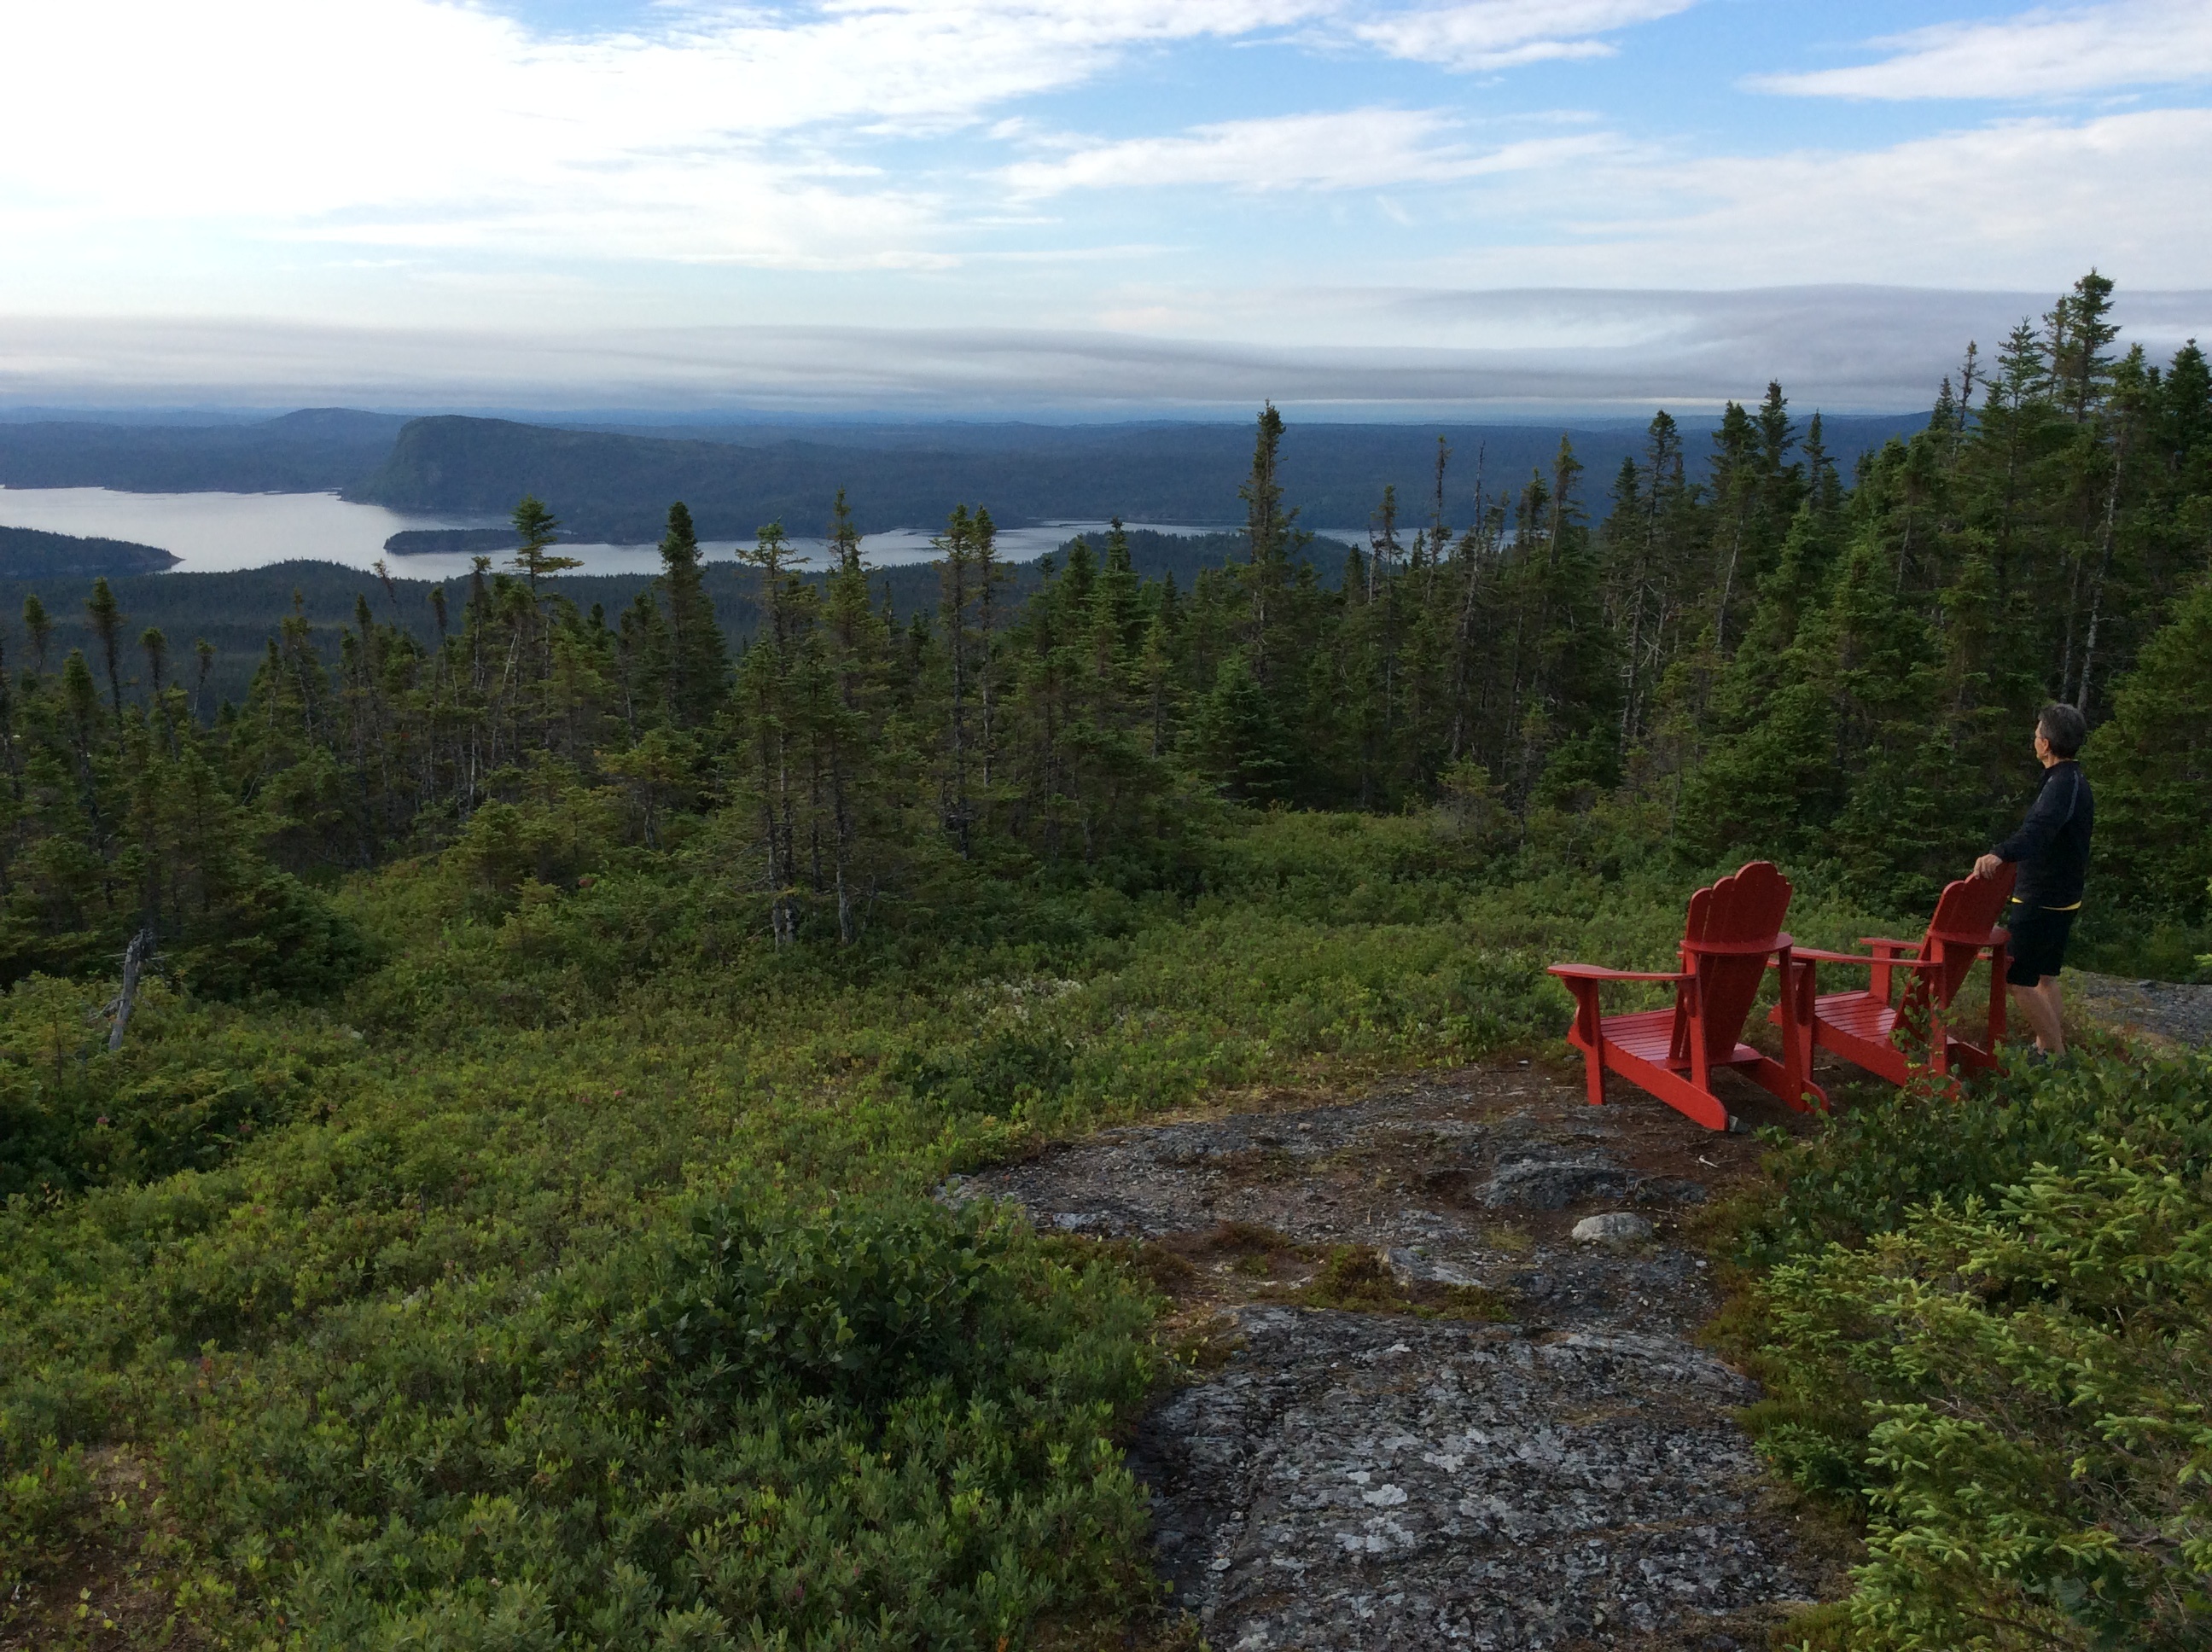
[(314, 450), (1714, 654), (237, 611), (503, 1216), (31, 552)]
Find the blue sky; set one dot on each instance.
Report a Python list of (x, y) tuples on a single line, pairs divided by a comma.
[(1061, 205)]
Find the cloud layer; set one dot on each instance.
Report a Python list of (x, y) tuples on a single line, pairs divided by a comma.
[(1468, 352)]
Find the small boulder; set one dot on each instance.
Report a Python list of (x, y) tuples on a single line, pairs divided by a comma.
[(1613, 1228), (1553, 1184), (1412, 1267)]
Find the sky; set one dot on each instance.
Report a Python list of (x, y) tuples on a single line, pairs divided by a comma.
[(1080, 208)]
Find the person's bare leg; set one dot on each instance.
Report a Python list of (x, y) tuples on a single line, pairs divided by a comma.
[(2040, 1004), (2047, 988)]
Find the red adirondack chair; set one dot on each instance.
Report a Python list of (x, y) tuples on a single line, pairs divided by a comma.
[(1733, 936), (1858, 1025)]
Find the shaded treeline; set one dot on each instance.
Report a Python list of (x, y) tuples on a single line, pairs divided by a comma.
[(234, 611), (1707, 653), (616, 486)]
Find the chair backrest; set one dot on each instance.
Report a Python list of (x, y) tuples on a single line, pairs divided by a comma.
[(1965, 914), (1745, 909)]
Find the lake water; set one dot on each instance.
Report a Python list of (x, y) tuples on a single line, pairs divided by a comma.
[(213, 532)]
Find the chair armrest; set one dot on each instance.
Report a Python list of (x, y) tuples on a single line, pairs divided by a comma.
[(1814, 955), (1598, 972), (1883, 945)]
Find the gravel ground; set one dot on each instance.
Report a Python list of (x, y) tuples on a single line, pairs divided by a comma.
[(1561, 1468), (2168, 1011)]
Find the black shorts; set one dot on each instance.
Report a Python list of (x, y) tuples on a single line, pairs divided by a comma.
[(2039, 942)]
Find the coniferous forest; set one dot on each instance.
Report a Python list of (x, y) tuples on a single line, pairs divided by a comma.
[(496, 1211)]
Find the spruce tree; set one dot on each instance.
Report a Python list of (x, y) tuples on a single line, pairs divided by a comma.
[(1240, 741), (41, 625), (698, 661), (106, 616), (2152, 767), (1268, 532), (770, 681), (539, 530), (851, 724)]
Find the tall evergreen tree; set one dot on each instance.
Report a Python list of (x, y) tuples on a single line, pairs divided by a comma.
[(106, 616), (1268, 535), (698, 661)]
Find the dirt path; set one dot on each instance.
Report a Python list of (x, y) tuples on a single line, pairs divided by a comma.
[(1529, 1452)]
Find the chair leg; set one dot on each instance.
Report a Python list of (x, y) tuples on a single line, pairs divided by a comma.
[(1999, 960), (1798, 986), (1590, 1033), (1693, 998)]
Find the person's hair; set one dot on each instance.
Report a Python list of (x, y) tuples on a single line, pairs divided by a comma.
[(2064, 727)]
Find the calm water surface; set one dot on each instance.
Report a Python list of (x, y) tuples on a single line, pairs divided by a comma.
[(213, 532)]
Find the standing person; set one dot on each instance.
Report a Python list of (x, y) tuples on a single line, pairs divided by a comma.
[(2052, 849)]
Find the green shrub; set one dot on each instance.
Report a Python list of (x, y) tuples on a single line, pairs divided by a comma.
[(190, 1086), (281, 937), (876, 1424), (1987, 1329)]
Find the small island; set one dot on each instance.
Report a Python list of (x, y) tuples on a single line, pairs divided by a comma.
[(430, 542), (35, 554)]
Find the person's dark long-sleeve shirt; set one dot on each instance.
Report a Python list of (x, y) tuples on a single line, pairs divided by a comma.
[(2052, 844)]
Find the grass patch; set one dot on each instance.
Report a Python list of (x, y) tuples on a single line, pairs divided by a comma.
[(1360, 1280)]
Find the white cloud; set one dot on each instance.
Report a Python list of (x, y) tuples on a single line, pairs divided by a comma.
[(742, 134), (1478, 35), (441, 125), (1353, 149), (411, 159), (2041, 54), (2032, 202), (2028, 201)]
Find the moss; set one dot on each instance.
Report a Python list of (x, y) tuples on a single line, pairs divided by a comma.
[(1360, 1280)]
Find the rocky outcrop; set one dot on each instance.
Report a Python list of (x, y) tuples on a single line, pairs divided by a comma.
[(1572, 1474)]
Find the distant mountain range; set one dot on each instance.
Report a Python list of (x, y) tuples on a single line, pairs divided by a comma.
[(34, 554), (616, 484), (318, 450)]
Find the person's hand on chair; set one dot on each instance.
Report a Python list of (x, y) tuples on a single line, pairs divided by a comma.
[(1988, 866)]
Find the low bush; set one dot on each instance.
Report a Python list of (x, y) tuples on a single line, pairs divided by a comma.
[(876, 1423), (1986, 1330), (192, 1084)]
